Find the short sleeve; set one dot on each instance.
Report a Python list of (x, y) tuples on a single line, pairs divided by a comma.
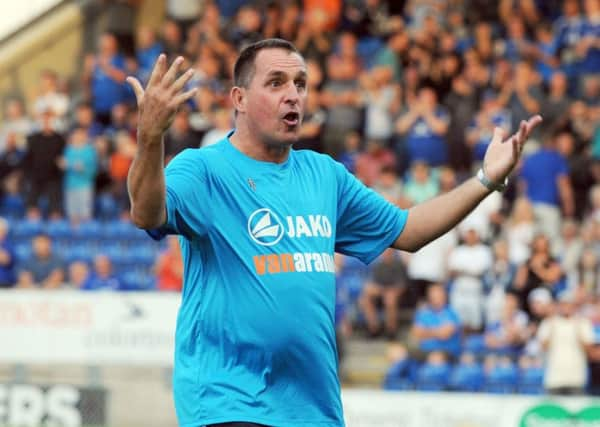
[(186, 197), (367, 224), (562, 166), (586, 331)]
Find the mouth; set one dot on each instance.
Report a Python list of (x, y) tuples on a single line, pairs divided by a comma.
[(291, 119)]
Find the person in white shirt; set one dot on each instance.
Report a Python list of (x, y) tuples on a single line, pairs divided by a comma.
[(467, 263), (566, 338)]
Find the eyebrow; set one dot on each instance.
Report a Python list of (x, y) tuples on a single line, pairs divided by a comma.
[(276, 73)]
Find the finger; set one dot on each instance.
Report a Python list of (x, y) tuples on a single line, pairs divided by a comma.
[(158, 71), (498, 134), (169, 76), (137, 88), (522, 132), (182, 80), (183, 97), (533, 122)]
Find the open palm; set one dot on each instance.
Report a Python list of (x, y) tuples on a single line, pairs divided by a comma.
[(503, 154)]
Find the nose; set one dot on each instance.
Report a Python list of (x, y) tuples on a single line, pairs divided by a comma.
[(292, 95)]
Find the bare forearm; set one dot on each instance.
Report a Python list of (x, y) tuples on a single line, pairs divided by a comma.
[(433, 218), (146, 184)]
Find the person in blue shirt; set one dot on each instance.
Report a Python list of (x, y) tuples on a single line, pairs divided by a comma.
[(80, 163), (425, 125), (102, 278), (545, 180), (259, 224), (436, 325)]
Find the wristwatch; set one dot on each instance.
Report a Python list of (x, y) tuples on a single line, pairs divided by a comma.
[(487, 183)]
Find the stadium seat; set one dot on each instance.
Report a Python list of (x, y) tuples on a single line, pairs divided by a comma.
[(502, 379), (88, 231), (467, 378), (58, 229), (433, 377), (531, 381), (12, 206), (23, 251), (106, 207), (27, 228)]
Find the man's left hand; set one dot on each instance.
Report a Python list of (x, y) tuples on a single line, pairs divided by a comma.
[(502, 154)]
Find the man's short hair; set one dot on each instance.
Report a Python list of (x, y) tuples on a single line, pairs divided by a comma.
[(243, 70)]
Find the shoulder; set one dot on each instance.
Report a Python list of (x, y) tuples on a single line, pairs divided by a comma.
[(197, 160), (320, 162)]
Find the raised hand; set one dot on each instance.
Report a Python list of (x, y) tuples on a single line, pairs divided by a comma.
[(158, 103), (502, 154)]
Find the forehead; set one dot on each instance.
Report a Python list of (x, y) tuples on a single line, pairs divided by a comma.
[(278, 60)]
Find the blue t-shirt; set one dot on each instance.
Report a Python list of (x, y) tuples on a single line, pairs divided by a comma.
[(106, 91), (426, 317), (423, 143), (540, 172), (255, 338)]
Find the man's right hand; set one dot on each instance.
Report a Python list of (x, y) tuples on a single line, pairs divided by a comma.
[(158, 103)]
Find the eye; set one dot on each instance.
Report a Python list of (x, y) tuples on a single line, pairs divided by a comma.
[(301, 84), (275, 83)]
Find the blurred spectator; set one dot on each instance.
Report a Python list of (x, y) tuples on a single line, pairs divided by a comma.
[(382, 98), (520, 230), (545, 179), (44, 269), (587, 273), (102, 278), (390, 186), (311, 130), (120, 21), (147, 51), (467, 263), (461, 103), (420, 185), (588, 48), (497, 280), (540, 305), (436, 326), (79, 274), (223, 124), (372, 161), (50, 98), (85, 118), (425, 125), (429, 265), (7, 257), (434, 374), (104, 75), (11, 159), (79, 164), (402, 370), (179, 136), (387, 283), (481, 129), (594, 353), (169, 267), (509, 333), (41, 162), (15, 122), (467, 374), (556, 105), (120, 161), (540, 270), (522, 94), (314, 38), (570, 246), (341, 94), (351, 151), (246, 27), (566, 337), (119, 120), (184, 12)]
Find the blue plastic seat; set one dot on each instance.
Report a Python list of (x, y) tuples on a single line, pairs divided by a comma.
[(23, 251), (58, 229), (12, 206), (502, 379), (467, 378), (531, 381), (474, 344), (433, 377), (27, 228)]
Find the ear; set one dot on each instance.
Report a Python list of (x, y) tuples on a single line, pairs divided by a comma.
[(238, 98)]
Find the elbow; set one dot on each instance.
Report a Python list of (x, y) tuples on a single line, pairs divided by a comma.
[(142, 221)]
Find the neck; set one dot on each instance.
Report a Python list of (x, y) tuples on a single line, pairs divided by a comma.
[(253, 146)]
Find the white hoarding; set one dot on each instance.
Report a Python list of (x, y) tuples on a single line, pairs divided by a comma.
[(87, 327)]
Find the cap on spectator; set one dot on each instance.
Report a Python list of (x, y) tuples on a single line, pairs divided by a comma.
[(541, 295)]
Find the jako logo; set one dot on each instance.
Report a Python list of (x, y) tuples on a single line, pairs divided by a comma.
[(264, 227)]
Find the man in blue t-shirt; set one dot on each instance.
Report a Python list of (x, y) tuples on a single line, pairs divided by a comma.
[(545, 179), (259, 225), (436, 325)]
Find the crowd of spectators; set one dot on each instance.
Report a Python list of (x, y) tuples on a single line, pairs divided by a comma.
[(406, 94)]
